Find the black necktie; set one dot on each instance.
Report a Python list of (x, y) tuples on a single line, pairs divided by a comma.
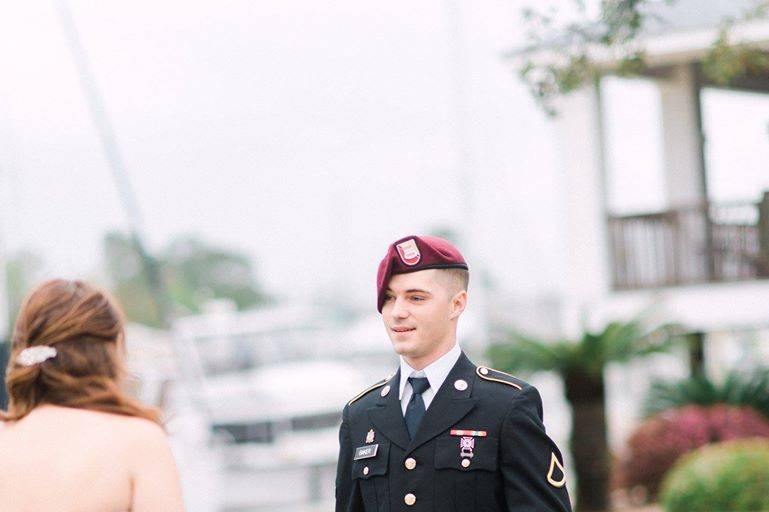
[(415, 410)]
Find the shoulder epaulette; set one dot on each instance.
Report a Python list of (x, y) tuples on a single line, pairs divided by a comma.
[(370, 388), (485, 373)]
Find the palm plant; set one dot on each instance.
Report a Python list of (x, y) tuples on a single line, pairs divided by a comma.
[(738, 388), (581, 364)]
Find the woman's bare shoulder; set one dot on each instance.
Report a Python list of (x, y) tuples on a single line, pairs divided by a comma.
[(129, 429), (135, 438), (144, 431), (132, 429)]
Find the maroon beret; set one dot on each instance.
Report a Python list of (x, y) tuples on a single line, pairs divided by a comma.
[(414, 253)]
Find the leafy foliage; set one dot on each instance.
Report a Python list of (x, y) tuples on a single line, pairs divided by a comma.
[(617, 342), (660, 441), (568, 66), (737, 388), (196, 272), (193, 271), (727, 61), (129, 284), (725, 477)]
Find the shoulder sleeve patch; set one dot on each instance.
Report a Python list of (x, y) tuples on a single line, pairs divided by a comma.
[(556, 468), (370, 388), (496, 376)]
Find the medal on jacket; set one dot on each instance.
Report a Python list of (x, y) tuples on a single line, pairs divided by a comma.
[(370, 436), (466, 446), (472, 433)]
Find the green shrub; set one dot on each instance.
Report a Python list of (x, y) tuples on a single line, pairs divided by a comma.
[(660, 441), (724, 477)]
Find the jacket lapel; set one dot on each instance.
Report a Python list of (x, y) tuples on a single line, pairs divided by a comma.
[(387, 415), (448, 406)]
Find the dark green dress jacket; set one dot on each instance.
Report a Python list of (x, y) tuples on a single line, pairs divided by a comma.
[(481, 447)]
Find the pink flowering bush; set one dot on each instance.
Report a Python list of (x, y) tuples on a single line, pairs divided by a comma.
[(658, 442)]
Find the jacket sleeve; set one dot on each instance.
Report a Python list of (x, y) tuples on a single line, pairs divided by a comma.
[(348, 498), (532, 465)]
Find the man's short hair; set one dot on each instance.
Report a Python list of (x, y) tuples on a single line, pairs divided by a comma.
[(456, 279)]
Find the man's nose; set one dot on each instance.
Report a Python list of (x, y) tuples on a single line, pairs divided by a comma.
[(399, 310)]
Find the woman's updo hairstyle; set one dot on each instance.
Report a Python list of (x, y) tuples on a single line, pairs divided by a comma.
[(86, 370)]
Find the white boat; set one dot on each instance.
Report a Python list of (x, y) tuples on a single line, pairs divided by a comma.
[(270, 385)]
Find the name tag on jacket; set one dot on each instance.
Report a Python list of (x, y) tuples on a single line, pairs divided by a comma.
[(366, 452)]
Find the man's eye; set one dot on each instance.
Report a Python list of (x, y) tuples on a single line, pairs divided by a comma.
[(417, 298), (388, 298)]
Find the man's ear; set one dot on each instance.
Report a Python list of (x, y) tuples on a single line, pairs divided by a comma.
[(458, 304)]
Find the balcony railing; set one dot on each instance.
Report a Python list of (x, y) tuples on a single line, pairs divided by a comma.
[(699, 244)]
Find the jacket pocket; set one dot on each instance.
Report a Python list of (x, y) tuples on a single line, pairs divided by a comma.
[(375, 466), (369, 474), (466, 483)]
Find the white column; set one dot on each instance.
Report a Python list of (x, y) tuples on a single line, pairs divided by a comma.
[(681, 144), (684, 172), (585, 262)]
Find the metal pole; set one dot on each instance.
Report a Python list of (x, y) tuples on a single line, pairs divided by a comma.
[(125, 190), (116, 163)]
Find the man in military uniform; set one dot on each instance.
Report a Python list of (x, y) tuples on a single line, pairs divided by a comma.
[(441, 434)]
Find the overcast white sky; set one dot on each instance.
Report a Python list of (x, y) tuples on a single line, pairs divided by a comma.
[(307, 134)]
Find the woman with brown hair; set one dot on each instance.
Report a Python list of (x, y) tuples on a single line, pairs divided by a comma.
[(72, 438)]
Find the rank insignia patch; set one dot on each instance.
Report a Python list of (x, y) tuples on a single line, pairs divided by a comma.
[(556, 475)]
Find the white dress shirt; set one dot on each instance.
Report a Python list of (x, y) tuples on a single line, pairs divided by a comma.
[(436, 372)]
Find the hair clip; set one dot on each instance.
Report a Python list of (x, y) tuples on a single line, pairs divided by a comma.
[(34, 355)]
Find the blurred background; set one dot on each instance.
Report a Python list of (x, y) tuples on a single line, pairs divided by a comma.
[(233, 172)]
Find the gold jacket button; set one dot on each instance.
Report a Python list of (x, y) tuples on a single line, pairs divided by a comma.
[(465, 463), (409, 499), (365, 470), (410, 463)]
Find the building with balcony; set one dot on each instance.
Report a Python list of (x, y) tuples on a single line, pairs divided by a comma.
[(703, 257), (694, 245)]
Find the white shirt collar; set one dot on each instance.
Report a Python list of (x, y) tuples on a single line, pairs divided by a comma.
[(436, 372)]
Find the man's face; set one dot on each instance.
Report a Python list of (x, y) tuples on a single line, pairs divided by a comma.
[(419, 312)]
